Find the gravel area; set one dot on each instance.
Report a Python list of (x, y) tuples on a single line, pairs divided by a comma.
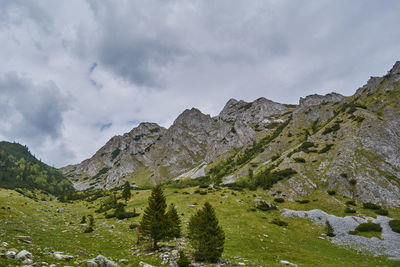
[(389, 245)]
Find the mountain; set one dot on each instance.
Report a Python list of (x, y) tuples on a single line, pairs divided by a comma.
[(20, 169), (349, 145)]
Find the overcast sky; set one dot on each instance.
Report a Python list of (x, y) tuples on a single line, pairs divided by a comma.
[(75, 73)]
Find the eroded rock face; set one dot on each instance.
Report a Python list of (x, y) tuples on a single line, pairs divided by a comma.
[(316, 99)]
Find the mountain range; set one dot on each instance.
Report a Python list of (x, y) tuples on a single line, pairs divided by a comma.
[(346, 144)]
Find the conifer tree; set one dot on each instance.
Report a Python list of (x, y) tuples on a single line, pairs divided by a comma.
[(329, 229), (126, 192), (154, 222), (174, 223), (206, 236)]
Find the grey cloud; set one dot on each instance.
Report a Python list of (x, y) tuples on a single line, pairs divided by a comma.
[(33, 112)]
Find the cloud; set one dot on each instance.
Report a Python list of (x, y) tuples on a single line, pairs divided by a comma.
[(30, 112), (120, 64)]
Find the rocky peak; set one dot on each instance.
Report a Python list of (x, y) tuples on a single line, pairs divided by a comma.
[(250, 111), (145, 128), (315, 99), (395, 69), (191, 117)]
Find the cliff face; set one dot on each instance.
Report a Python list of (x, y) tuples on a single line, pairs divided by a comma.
[(354, 145)]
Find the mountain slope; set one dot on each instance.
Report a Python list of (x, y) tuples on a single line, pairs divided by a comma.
[(20, 169), (350, 145)]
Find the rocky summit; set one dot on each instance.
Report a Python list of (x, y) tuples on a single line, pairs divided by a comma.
[(346, 144)]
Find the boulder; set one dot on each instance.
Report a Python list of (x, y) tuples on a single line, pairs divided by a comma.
[(24, 255), (60, 256), (100, 261), (143, 264), (10, 254), (123, 261)]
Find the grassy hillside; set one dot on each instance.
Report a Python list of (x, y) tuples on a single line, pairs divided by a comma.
[(20, 169), (251, 238)]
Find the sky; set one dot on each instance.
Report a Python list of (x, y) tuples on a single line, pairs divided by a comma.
[(75, 73)]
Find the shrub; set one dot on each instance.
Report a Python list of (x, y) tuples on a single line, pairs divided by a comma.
[(351, 202), (344, 175), (279, 222), (382, 212), (183, 260), (353, 182), (264, 206), (304, 201), (331, 192), (349, 210), (334, 128), (203, 186), (371, 206), (83, 220), (326, 148), (395, 225), (300, 160), (279, 200), (90, 229), (203, 192), (368, 227), (133, 226)]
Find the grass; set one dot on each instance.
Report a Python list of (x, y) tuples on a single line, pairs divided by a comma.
[(298, 242)]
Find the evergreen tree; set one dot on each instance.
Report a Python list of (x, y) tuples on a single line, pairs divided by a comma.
[(206, 236), (126, 192), (329, 229), (83, 219), (183, 260), (154, 222), (174, 223), (90, 229)]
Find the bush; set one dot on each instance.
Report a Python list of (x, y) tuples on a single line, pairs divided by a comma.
[(183, 260), (371, 206), (279, 222), (382, 212), (279, 200), (334, 128), (326, 148), (351, 202), (369, 227), (349, 210), (331, 192), (203, 192), (353, 182), (304, 201), (133, 226), (300, 160), (264, 206), (395, 225)]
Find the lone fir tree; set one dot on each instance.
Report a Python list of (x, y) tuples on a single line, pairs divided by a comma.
[(126, 192), (154, 223), (206, 236), (174, 223)]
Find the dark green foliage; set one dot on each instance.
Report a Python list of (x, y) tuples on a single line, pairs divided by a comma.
[(369, 227), (334, 128), (382, 212), (201, 181), (205, 234), (351, 202), (203, 193), (305, 147), (300, 160), (279, 200), (268, 178), (275, 157), (331, 192), (395, 225), (115, 153), (353, 182), (90, 229), (264, 206), (359, 119), (83, 220), (154, 222), (19, 169), (183, 260), (371, 206), (126, 192), (329, 229), (349, 210), (133, 226), (304, 201), (121, 214), (326, 148), (104, 170), (279, 222), (344, 175), (174, 222)]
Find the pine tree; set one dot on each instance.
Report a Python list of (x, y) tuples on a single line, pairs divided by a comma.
[(154, 222), (174, 223), (183, 260), (206, 236), (90, 229), (126, 192), (329, 229)]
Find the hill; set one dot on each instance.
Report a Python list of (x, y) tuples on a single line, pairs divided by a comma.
[(20, 169)]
